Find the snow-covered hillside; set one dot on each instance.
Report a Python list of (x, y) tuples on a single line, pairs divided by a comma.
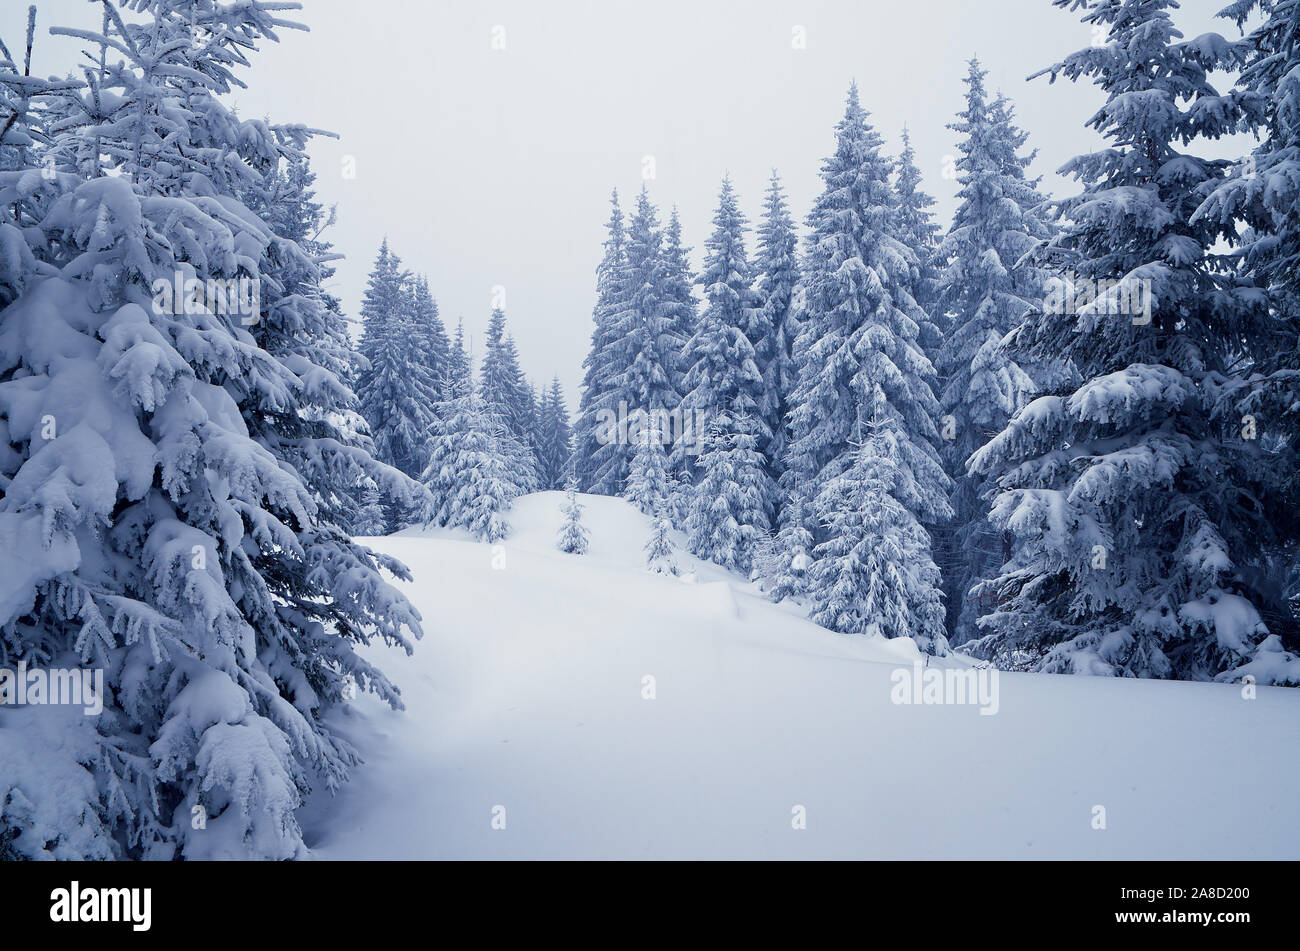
[(527, 694)]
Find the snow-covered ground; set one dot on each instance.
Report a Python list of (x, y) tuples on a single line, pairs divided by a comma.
[(526, 701)]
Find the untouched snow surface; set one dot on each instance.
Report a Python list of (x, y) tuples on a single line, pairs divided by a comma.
[(527, 693)]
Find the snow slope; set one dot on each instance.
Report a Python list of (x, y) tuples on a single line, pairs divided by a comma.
[(527, 694)]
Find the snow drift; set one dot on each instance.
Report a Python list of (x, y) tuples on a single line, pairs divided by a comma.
[(528, 732)]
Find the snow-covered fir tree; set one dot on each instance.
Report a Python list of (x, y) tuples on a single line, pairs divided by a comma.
[(370, 517), (874, 574), (649, 488), (470, 475), (647, 482), (858, 350), (164, 533), (777, 286), (915, 227), (648, 337), (507, 398), (659, 555), (1263, 190), (554, 438), (429, 334), (681, 316), (727, 515), (309, 323), (681, 488), (459, 378), (397, 390), (502, 385), (736, 493), (762, 333), (572, 537), (680, 308), (791, 551), (592, 449), (1257, 209), (644, 350), (533, 424), (1134, 495), (986, 287), (776, 269)]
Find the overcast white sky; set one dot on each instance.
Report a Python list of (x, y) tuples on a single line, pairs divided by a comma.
[(490, 167)]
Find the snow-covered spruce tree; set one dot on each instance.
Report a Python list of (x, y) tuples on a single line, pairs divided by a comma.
[(533, 425), (777, 286), (647, 482), (792, 546), (323, 436), (1263, 191), (459, 378), (659, 547), (519, 455), (649, 489), (874, 573), (285, 200), (1134, 497), (529, 479), (769, 564), (679, 305), (572, 537), (858, 353), (776, 267), (681, 491), (986, 287), (763, 335), (600, 393), (1049, 374), (502, 385), (507, 398), (681, 316), (915, 227), (1257, 208), (555, 438), (727, 515), (736, 493), (397, 390), (471, 479), (369, 517), (644, 349), (429, 334), (166, 536)]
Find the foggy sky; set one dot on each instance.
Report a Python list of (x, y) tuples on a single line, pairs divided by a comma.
[(493, 167)]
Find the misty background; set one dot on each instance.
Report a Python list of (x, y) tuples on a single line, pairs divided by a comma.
[(485, 137)]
